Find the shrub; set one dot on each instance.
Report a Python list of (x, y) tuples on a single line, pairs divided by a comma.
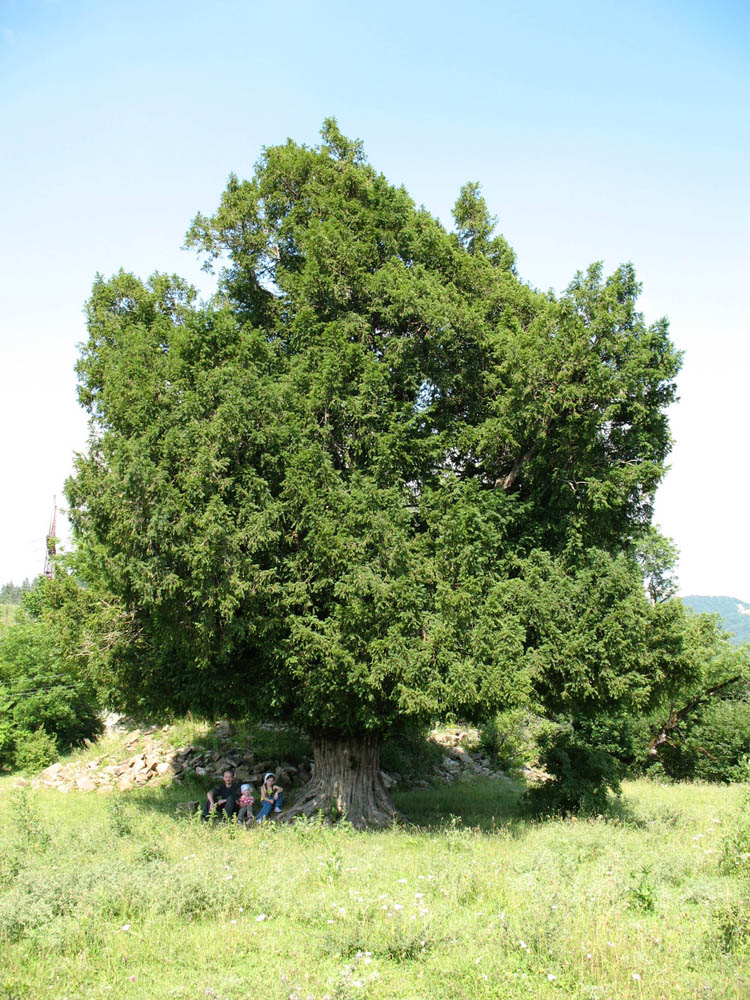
[(732, 922), (512, 737), (735, 859), (584, 759), (714, 745), (46, 706), (34, 751)]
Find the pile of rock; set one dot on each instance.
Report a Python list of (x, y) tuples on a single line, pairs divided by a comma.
[(152, 761), (458, 762)]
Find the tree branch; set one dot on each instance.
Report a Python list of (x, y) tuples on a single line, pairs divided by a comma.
[(675, 717), (506, 482)]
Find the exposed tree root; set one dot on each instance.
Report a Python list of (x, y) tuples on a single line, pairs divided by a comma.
[(346, 783)]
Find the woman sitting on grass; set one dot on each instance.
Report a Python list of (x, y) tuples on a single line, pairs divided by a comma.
[(271, 797)]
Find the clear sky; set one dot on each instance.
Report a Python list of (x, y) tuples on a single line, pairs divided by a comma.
[(599, 131)]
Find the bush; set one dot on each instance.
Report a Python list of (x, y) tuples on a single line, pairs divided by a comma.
[(584, 759), (34, 751), (46, 707), (712, 746), (732, 921), (512, 737)]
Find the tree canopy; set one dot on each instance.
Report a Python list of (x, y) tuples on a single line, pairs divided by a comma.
[(377, 476)]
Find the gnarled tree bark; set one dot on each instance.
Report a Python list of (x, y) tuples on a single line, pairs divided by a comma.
[(346, 783)]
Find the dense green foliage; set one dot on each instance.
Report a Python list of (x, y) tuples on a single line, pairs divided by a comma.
[(45, 706), (714, 744), (377, 477), (699, 726), (584, 759), (694, 724)]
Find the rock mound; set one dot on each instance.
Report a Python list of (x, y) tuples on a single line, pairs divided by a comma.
[(154, 761)]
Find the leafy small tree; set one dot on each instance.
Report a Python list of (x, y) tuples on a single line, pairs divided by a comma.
[(658, 557), (46, 707), (322, 495)]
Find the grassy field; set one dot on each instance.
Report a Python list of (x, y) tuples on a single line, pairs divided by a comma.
[(119, 896)]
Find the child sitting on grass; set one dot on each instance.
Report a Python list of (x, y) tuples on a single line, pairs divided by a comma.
[(271, 797), (245, 815)]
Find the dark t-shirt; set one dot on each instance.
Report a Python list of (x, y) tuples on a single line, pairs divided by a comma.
[(222, 792)]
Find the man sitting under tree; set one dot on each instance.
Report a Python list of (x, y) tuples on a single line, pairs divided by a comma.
[(224, 797)]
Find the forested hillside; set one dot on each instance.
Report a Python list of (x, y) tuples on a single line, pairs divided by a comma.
[(734, 620)]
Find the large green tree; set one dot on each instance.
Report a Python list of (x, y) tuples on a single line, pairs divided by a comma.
[(321, 495)]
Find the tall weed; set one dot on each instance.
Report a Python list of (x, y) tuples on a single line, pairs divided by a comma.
[(735, 857)]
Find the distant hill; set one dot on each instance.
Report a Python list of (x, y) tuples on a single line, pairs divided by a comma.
[(735, 614)]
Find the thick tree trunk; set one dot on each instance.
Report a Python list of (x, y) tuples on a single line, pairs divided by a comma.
[(346, 783)]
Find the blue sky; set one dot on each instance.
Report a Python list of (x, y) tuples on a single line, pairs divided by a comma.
[(598, 131)]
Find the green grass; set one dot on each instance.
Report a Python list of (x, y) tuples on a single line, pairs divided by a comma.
[(118, 896)]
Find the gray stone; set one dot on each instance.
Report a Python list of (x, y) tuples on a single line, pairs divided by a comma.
[(187, 807)]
